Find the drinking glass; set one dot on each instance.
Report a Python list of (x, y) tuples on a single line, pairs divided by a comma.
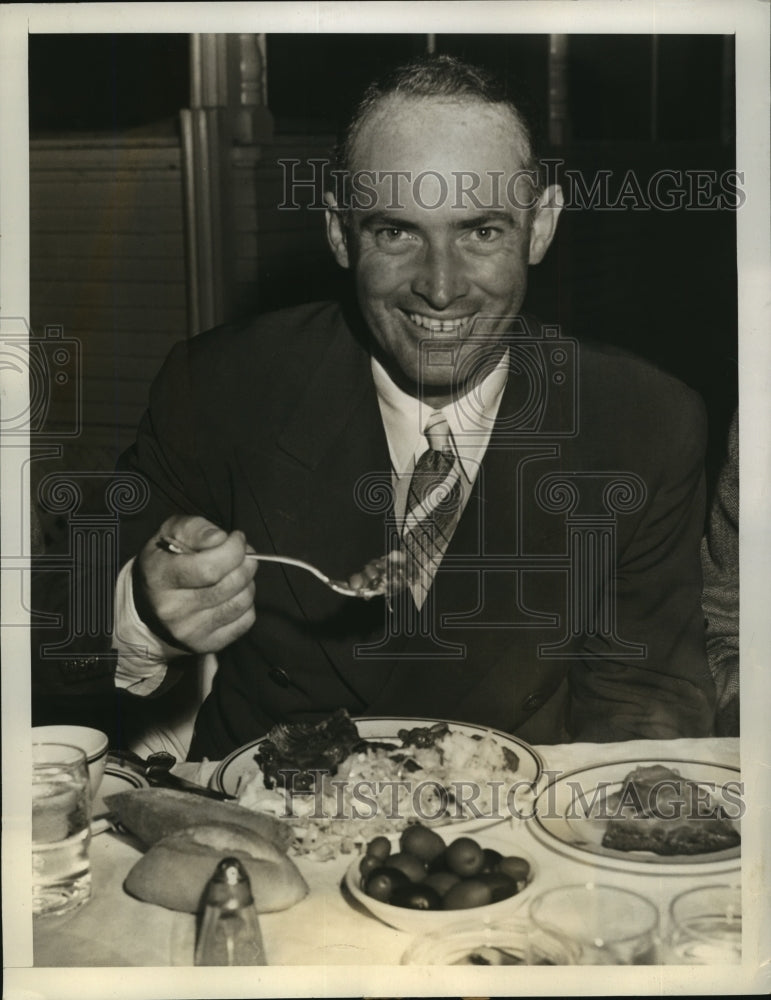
[(511, 942), (705, 926), (609, 926), (61, 833)]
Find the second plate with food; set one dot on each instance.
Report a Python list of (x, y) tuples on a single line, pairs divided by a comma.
[(653, 816)]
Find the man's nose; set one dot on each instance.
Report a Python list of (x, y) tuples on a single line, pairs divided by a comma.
[(440, 277)]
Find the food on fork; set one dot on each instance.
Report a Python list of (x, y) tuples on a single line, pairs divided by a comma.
[(660, 811), (385, 576)]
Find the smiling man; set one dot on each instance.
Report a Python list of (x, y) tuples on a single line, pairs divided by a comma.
[(546, 496), (432, 255)]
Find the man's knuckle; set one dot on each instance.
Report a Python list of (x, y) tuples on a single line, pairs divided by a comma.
[(208, 574), (165, 608)]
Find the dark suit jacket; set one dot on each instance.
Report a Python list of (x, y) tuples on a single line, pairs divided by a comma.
[(565, 607)]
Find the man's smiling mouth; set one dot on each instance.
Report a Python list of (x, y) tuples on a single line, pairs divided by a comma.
[(439, 325)]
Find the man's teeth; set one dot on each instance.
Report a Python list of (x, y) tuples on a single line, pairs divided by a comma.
[(439, 325)]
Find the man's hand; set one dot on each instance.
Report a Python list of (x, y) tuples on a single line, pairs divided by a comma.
[(199, 601)]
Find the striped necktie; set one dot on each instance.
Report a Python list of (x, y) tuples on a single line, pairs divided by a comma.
[(433, 506)]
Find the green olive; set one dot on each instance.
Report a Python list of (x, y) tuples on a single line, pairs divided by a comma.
[(516, 868), (501, 886), (368, 864), (423, 843), (380, 847), (441, 881), (412, 867), (467, 893), (465, 857)]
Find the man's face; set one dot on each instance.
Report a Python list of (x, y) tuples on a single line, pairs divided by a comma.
[(447, 243)]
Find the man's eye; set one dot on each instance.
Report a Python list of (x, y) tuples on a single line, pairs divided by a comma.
[(487, 234), (392, 234), (393, 239)]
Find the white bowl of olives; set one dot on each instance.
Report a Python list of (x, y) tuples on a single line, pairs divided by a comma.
[(425, 879)]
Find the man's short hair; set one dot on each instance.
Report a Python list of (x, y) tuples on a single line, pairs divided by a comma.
[(440, 76)]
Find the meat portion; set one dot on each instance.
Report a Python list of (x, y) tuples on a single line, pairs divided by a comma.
[(294, 755), (658, 810)]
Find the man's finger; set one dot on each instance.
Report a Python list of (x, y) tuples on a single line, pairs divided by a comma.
[(207, 567), (224, 636), (194, 600), (196, 533)]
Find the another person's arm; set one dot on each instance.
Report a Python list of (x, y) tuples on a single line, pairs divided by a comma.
[(720, 560)]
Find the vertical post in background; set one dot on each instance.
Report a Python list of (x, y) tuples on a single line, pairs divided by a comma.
[(227, 98), (559, 109), (253, 121)]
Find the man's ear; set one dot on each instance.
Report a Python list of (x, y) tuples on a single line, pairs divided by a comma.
[(544, 226), (336, 231)]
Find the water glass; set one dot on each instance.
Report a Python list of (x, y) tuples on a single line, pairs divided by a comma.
[(514, 941), (61, 833), (705, 926), (608, 926)]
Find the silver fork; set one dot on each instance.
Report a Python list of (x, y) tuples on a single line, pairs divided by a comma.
[(176, 547)]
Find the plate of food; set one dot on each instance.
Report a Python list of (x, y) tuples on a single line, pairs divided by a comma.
[(343, 781), (673, 817)]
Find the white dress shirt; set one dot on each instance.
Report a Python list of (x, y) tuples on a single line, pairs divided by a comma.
[(143, 659)]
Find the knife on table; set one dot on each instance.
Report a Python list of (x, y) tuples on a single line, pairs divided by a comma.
[(157, 772)]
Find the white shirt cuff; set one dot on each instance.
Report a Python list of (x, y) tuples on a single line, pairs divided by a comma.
[(142, 657)]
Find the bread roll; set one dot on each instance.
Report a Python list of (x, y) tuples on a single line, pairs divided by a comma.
[(175, 870), (153, 813)]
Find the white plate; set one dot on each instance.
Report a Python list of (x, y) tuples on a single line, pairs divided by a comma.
[(240, 765), (116, 779), (559, 821)]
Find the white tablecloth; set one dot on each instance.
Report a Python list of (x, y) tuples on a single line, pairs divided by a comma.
[(327, 927)]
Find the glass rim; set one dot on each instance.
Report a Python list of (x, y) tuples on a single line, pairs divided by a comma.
[(697, 890), (598, 888), (518, 932), (82, 758)]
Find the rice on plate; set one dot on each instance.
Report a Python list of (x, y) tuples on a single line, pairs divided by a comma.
[(380, 791)]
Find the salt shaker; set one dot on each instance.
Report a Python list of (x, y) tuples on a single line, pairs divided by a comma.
[(229, 931)]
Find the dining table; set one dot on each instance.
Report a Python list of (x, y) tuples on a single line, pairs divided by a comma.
[(328, 927)]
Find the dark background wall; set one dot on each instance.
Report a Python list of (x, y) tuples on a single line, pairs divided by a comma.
[(660, 283)]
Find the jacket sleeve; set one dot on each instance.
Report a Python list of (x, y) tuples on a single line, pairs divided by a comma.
[(168, 453), (662, 689)]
